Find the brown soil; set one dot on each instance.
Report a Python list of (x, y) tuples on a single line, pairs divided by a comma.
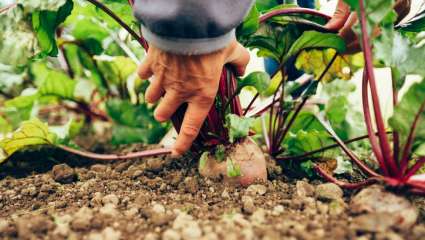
[(162, 198)]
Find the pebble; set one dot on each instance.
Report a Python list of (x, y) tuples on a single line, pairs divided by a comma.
[(329, 191), (278, 210), (98, 168), (191, 185), (248, 205), (304, 189), (82, 219), (337, 207), (96, 201), (256, 189), (107, 234), (193, 231), (111, 198), (375, 200), (158, 208), (109, 210), (171, 234), (64, 174)]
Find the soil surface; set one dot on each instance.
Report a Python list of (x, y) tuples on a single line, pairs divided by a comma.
[(163, 198)]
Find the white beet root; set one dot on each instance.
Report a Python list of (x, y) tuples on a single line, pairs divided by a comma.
[(246, 155)]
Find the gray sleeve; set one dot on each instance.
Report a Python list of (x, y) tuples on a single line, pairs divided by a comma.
[(190, 26)]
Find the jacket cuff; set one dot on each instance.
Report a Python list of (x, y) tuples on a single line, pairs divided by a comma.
[(189, 46)]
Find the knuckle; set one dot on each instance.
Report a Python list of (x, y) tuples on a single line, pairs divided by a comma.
[(189, 131)]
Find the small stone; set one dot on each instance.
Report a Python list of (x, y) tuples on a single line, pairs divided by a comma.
[(30, 191), (111, 198), (191, 185), (161, 219), (63, 174), (111, 234), (33, 224), (193, 231), (82, 219), (373, 222), (4, 224), (109, 210), (98, 168), (48, 188), (96, 201), (259, 216), (256, 189), (225, 194), (337, 207), (248, 204), (171, 234), (377, 201), (151, 236), (132, 212), (158, 208), (328, 192), (304, 189), (154, 164), (122, 166), (142, 199), (388, 236), (278, 210)]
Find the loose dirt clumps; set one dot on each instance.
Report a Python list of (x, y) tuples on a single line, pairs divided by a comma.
[(162, 198)]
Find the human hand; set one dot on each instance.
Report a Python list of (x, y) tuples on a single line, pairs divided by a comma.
[(192, 79), (343, 20)]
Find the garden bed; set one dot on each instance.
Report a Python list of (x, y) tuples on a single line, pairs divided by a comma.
[(165, 198)]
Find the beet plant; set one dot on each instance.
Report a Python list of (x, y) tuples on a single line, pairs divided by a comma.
[(399, 153)]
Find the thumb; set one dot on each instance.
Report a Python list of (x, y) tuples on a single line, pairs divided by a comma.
[(340, 16), (239, 58)]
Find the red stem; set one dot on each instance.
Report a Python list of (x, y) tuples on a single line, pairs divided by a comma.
[(369, 125), (342, 184), (289, 11), (113, 157), (415, 168), (347, 151), (396, 135), (367, 50)]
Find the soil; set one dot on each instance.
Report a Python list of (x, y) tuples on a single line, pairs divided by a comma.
[(164, 198)]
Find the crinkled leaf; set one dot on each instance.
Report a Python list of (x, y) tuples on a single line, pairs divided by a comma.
[(38, 5), (343, 166), (314, 39), (45, 24), (220, 153), (259, 80), (31, 133), (238, 126), (315, 62), (57, 84), (410, 108), (251, 23), (203, 160), (18, 42)]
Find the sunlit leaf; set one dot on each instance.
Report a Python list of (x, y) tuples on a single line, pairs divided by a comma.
[(31, 133), (238, 126)]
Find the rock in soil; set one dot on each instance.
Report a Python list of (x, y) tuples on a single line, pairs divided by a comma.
[(63, 174), (329, 191), (378, 203)]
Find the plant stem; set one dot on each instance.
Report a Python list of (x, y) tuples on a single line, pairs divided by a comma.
[(369, 126), (113, 157), (367, 50), (108, 11), (307, 154), (347, 151), (415, 168), (342, 184), (289, 11), (396, 135)]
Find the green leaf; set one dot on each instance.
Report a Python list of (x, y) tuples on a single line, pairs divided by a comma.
[(238, 126), (31, 133), (410, 108), (313, 39), (45, 24), (308, 168), (343, 166), (259, 80), (57, 84), (251, 23), (37, 5), (233, 170), (315, 62), (376, 11), (203, 160), (220, 153)]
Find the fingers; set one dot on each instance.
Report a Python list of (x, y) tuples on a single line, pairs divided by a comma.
[(194, 118), (340, 16), (154, 91), (239, 58), (168, 106), (145, 70)]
